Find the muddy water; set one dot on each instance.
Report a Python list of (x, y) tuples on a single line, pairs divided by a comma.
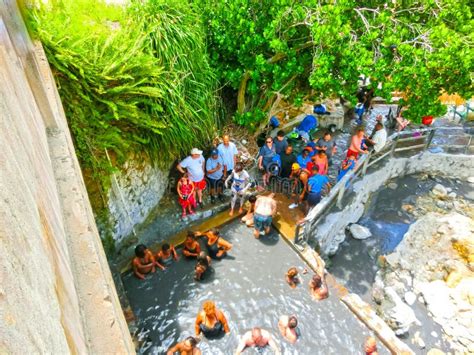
[(355, 264), (249, 288)]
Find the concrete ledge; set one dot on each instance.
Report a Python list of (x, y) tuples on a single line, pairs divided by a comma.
[(368, 316)]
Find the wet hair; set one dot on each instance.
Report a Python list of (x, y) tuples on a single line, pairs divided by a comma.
[(191, 234), (252, 198), (238, 167), (280, 133), (165, 247), (292, 322), (256, 332), (215, 231), (192, 341), (292, 272), (316, 281), (140, 250), (209, 307), (326, 133), (202, 259)]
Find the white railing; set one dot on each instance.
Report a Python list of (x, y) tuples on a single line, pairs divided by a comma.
[(422, 139)]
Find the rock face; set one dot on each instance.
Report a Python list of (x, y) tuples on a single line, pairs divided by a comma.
[(359, 232), (434, 261), (134, 193)]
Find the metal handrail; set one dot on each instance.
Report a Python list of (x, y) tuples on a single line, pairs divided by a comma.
[(337, 193)]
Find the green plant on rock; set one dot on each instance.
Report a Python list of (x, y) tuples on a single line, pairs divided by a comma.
[(132, 80)]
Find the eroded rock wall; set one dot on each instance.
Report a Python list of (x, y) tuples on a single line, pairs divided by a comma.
[(56, 291)]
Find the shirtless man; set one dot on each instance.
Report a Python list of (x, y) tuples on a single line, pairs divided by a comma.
[(288, 328), (144, 262), (259, 338), (265, 208), (299, 175), (185, 347)]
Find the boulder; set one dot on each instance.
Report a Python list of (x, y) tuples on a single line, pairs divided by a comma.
[(359, 232), (439, 190), (397, 314), (470, 179), (410, 298)]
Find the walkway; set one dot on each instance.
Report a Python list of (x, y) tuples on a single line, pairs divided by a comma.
[(249, 287)]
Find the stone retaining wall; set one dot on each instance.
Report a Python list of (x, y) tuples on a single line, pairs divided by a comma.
[(330, 232)]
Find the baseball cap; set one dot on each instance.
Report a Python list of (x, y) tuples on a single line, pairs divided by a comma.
[(214, 152), (295, 166), (196, 151)]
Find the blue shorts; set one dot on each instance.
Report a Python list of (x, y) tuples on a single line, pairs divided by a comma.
[(314, 198), (261, 222)]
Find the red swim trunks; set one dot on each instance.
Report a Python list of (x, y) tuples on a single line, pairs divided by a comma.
[(200, 185), (351, 152)]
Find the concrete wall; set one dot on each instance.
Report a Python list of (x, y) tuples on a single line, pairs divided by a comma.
[(330, 231), (56, 291)]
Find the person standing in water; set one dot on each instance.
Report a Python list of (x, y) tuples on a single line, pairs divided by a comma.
[(258, 338), (292, 278), (144, 262), (265, 208), (210, 321), (240, 184), (186, 347), (288, 328)]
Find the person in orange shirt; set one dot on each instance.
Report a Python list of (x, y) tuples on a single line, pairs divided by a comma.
[(144, 262), (211, 322), (186, 347)]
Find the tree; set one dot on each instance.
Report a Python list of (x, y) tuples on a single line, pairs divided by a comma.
[(266, 48)]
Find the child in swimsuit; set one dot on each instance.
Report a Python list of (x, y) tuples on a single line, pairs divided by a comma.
[(202, 265), (191, 247), (167, 254)]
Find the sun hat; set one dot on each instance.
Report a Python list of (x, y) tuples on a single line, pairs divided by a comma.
[(295, 166), (196, 151)]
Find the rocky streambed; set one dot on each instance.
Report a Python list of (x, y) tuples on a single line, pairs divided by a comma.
[(414, 261)]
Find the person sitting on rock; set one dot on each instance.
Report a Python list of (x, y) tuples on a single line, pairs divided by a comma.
[(291, 277), (186, 347), (191, 247), (248, 218), (202, 265), (144, 262), (167, 254), (258, 338), (288, 328)]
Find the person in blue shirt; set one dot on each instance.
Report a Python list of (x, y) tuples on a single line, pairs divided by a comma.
[(316, 184), (348, 164), (265, 158), (214, 174), (309, 122), (228, 152), (304, 158)]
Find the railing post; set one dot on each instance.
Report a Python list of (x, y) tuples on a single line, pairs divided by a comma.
[(366, 163), (394, 144), (468, 145), (297, 233), (430, 138)]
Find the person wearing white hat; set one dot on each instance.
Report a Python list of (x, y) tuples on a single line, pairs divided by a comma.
[(194, 165)]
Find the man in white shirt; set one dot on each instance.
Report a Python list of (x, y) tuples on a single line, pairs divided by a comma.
[(379, 139), (228, 152), (194, 164)]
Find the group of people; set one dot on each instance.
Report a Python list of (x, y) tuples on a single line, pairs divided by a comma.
[(217, 248)]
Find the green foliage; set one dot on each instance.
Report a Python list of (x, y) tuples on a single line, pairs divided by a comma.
[(418, 47), (133, 79)]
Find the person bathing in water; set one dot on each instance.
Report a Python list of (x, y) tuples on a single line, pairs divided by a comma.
[(288, 328), (167, 254), (258, 338), (292, 278), (240, 184), (191, 247), (144, 262), (217, 247), (202, 265), (186, 347), (211, 322)]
